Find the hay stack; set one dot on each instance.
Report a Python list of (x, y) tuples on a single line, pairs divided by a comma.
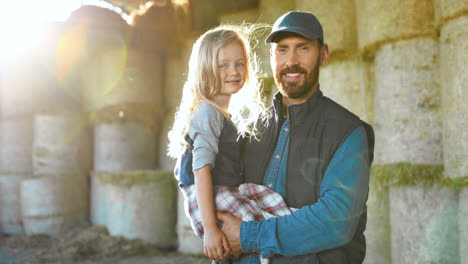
[(176, 74), (248, 16), (141, 204), (99, 200), (10, 203), (16, 140), (384, 21), (61, 145), (424, 225), (270, 10), (378, 225), (343, 81), (338, 22), (54, 204), (97, 29), (463, 225), (27, 87), (122, 75), (124, 146), (445, 10), (90, 32), (189, 243), (454, 80), (407, 103)]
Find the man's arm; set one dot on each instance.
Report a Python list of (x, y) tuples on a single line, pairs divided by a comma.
[(328, 223)]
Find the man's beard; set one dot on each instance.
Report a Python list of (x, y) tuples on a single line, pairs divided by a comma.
[(295, 90)]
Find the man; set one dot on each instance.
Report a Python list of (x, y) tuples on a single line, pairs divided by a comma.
[(313, 152)]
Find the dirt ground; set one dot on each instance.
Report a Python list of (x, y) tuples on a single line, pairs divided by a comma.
[(87, 245)]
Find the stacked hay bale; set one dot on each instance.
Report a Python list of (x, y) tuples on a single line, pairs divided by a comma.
[(452, 21), (11, 221), (341, 78), (31, 83), (53, 204), (161, 26), (141, 204), (29, 90), (57, 197), (408, 129), (121, 88)]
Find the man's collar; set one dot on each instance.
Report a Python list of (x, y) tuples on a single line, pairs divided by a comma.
[(299, 111)]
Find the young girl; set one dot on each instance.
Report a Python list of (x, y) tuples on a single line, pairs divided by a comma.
[(219, 105)]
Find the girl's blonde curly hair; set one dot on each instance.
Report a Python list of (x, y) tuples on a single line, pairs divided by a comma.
[(203, 83)]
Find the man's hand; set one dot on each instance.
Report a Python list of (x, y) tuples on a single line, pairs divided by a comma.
[(231, 228)]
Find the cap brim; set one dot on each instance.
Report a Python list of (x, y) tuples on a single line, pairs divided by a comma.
[(272, 35)]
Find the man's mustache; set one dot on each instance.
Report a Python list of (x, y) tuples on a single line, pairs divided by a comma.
[(293, 69)]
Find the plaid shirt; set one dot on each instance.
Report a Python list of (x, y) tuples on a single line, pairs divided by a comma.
[(254, 202)]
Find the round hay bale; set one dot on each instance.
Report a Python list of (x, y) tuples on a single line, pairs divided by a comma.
[(407, 103), (146, 114), (99, 203), (28, 88), (10, 203), (383, 21), (338, 22), (463, 225), (120, 76), (454, 80), (448, 9), (97, 29), (161, 26), (124, 146), (189, 243), (16, 140), (270, 10), (378, 226), (90, 31), (59, 144), (53, 205), (248, 16), (424, 225), (176, 75), (141, 204), (175, 78), (343, 82)]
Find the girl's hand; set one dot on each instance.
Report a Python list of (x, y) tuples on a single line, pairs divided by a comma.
[(216, 245)]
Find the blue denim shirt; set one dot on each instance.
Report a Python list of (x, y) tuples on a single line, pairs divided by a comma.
[(343, 193)]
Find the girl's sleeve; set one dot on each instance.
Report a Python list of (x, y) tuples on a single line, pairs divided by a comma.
[(204, 129)]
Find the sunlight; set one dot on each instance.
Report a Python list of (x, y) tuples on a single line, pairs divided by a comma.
[(22, 22)]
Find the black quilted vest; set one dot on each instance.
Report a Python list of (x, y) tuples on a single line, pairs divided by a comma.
[(318, 128)]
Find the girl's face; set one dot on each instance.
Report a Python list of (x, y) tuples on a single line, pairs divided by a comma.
[(231, 68)]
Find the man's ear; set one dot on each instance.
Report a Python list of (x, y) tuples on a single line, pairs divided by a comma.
[(324, 54)]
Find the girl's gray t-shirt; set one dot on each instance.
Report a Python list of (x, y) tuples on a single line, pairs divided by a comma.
[(204, 129)]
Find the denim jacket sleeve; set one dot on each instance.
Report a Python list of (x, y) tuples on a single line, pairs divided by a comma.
[(328, 223)]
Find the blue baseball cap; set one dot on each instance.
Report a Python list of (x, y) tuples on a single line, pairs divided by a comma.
[(303, 23)]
